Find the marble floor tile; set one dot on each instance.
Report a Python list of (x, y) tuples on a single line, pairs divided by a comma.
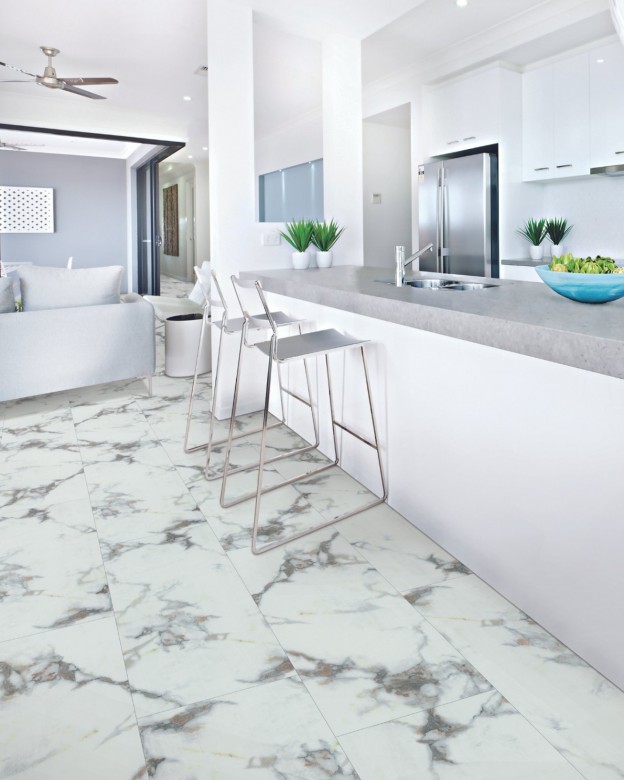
[(27, 491), (283, 511), (39, 431), (479, 738), (65, 708), (358, 650), (268, 732), (189, 628), (398, 550), (567, 701), (132, 500), (51, 572)]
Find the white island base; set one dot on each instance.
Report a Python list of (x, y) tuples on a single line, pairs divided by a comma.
[(511, 463)]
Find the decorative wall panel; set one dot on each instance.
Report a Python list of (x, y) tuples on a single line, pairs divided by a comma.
[(26, 210), (170, 221)]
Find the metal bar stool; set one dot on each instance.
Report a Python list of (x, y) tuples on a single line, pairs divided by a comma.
[(280, 351), (229, 327)]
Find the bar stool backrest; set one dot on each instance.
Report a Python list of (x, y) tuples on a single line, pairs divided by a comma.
[(252, 321), (211, 300)]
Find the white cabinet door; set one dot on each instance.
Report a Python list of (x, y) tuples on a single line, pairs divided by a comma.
[(570, 116), (606, 77), (463, 114), (537, 124), (555, 124)]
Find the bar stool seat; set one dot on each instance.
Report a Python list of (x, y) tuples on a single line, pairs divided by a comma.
[(302, 347)]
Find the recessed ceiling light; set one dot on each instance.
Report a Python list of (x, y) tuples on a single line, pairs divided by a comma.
[(204, 148), (461, 3), (187, 98), (189, 156), (600, 61)]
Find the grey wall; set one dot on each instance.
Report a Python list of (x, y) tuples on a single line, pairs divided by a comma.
[(89, 209)]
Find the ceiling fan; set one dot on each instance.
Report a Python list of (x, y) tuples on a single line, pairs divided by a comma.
[(15, 148), (52, 81)]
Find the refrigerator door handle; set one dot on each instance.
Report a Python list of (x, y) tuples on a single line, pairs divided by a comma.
[(439, 223), (445, 230)]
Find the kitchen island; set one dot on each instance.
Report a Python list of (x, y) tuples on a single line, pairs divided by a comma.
[(502, 416)]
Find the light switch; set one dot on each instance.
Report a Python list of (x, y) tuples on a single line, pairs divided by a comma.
[(271, 239), (376, 198)]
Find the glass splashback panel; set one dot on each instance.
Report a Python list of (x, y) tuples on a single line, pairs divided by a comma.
[(292, 193)]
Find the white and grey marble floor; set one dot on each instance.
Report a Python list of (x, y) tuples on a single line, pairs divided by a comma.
[(139, 637)]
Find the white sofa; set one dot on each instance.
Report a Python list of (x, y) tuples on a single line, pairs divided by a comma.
[(48, 350)]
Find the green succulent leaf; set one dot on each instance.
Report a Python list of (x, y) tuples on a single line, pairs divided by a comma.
[(326, 234), (557, 229), (298, 234), (534, 230)]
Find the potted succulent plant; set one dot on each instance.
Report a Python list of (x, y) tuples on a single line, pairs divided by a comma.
[(324, 237), (557, 230), (298, 234), (534, 230)]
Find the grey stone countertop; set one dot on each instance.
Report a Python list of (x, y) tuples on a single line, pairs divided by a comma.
[(522, 317)]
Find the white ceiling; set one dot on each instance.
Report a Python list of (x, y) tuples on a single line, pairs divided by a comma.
[(47, 143), (438, 38), (154, 48)]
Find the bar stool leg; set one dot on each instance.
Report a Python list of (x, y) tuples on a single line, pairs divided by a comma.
[(194, 387), (256, 550)]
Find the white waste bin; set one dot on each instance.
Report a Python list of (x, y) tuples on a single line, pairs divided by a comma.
[(182, 333)]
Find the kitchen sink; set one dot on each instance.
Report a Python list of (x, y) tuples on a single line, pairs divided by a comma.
[(468, 286), (440, 284), (433, 284)]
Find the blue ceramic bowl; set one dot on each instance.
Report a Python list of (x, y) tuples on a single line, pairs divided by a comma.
[(586, 288)]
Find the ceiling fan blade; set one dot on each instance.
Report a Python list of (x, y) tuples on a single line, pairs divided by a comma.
[(17, 81), (83, 92), (19, 70), (94, 80)]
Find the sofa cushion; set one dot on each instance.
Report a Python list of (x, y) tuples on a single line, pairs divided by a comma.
[(62, 288), (7, 299)]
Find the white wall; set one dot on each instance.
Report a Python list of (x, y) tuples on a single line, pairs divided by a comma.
[(342, 143), (298, 143), (387, 171), (595, 206), (202, 212), (90, 209)]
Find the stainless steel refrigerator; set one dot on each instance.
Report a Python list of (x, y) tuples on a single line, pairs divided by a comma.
[(458, 214)]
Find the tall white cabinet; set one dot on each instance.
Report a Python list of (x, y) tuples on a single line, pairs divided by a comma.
[(556, 131), (606, 70)]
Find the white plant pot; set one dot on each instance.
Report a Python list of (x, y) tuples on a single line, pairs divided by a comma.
[(300, 260), (556, 250), (536, 252), (324, 259)]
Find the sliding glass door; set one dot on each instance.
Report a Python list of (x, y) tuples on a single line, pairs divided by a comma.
[(148, 229)]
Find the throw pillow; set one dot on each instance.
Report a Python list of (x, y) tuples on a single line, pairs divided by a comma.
[(7, 299), (62, 288)]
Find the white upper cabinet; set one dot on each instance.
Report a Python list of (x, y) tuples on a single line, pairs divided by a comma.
[(606, 70), (463, 113), (555, 125)]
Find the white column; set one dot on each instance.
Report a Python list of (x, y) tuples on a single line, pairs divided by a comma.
[(342, 144), (231, 136)]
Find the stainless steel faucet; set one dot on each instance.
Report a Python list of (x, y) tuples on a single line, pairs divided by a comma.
[(402, 262)]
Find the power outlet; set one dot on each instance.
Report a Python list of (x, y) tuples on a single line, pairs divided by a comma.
[(376, 198), (271, 239)]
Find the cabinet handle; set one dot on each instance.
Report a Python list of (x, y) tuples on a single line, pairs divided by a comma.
[(622, 152), (545, 168), (567, 165), (470, 138), (450, 143)]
